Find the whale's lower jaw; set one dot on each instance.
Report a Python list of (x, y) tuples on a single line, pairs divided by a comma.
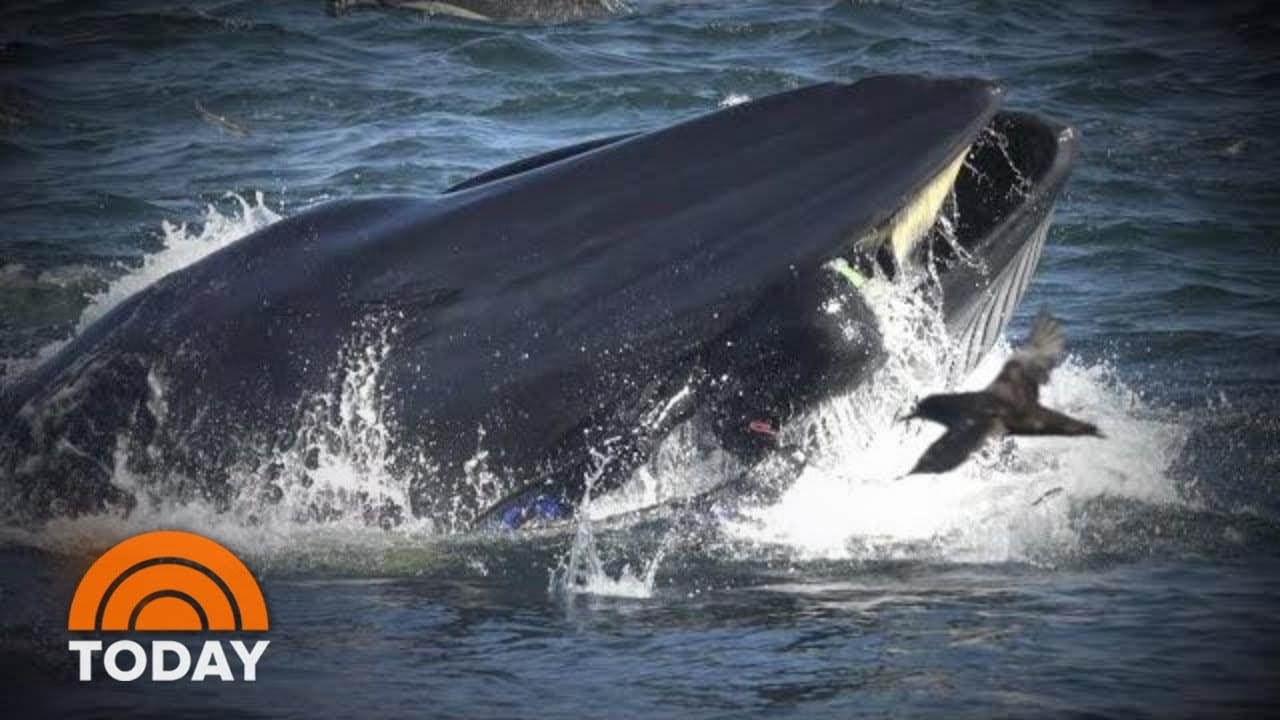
[(977, 326), (981, 298)]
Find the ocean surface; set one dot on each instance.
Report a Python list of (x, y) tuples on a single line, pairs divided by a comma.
[(137, 137)]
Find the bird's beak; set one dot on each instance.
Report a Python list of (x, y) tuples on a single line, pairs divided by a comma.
[(904, 418)]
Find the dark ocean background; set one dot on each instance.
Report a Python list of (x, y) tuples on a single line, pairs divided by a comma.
[(1148, 588)]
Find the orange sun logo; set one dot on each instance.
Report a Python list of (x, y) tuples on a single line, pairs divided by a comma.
[(168, 581)]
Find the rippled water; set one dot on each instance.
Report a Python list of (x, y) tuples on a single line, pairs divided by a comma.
[(1146, 587)]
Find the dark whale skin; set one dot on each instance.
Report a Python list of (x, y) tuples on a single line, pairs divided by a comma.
[(550, 305)]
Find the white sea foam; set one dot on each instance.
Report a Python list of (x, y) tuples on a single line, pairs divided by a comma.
[(1011, 502), (329, 491), (334, 474), (182, 246)]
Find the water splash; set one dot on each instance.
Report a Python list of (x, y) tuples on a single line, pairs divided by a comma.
[(338, 471), (584, 572), (1012, 502), (181, 245), (342, 463), (1015, 501), (333, 487)]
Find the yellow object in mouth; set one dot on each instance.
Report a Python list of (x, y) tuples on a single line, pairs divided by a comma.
[(912, 223), (846, 271), (903, 231)]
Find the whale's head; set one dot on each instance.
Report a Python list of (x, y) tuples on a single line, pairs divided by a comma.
[(965, 226)]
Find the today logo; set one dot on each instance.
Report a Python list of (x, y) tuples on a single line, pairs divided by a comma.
[(168, 581)]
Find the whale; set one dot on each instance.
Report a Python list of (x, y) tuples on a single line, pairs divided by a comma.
[(542, 328)]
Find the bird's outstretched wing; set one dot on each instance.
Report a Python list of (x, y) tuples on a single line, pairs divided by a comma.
[(1020, 379), (1043, 421), (960, 440)]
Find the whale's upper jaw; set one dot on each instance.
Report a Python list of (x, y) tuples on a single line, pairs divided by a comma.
[(835, 160)]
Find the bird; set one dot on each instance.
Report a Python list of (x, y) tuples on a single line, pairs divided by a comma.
[(1010, 405)]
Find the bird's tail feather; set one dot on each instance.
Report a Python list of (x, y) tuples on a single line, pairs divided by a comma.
[(1044, 349)]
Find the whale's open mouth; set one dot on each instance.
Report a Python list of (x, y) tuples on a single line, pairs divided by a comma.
[(896, 243), (1013, 163)]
